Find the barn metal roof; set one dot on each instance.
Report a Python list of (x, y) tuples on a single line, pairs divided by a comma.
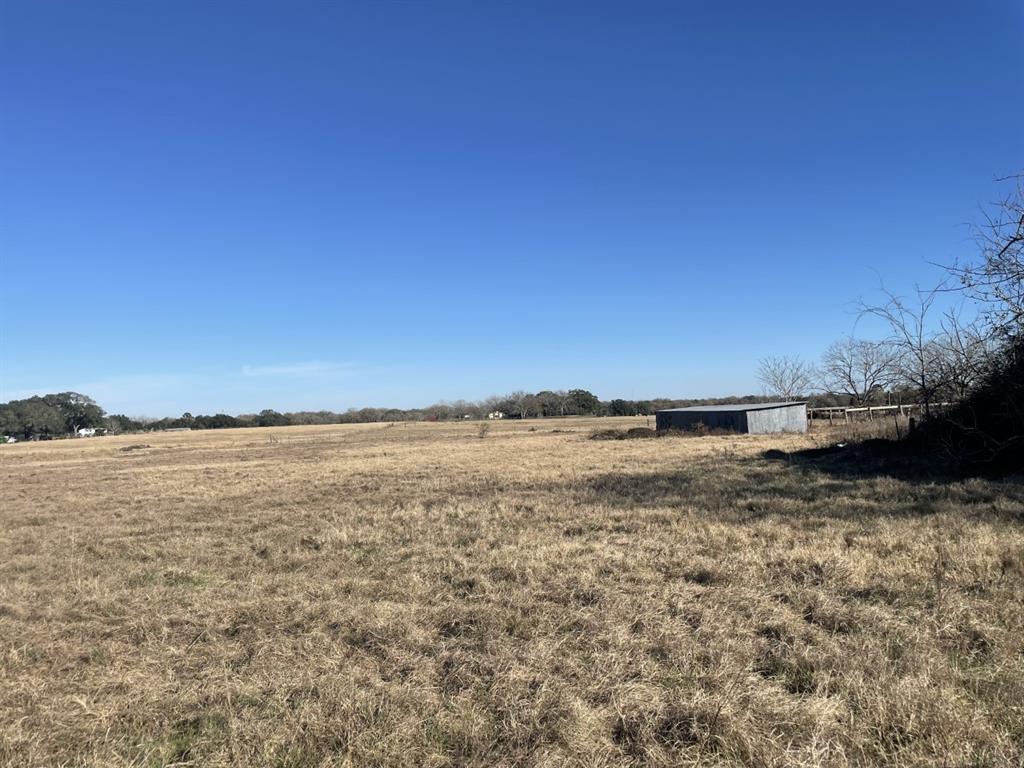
[(736, 407)]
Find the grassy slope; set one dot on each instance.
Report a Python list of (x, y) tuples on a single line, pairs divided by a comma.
[(417, 595)]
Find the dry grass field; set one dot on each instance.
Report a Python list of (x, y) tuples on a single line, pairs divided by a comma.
[(422, 595)]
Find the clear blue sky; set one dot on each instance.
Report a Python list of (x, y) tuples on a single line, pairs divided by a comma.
[(228, 206)]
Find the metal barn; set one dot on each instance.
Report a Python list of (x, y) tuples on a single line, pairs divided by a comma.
[(750, 418)]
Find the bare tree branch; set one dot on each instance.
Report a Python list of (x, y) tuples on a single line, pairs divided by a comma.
[(912, 340), (858, 368), (997, 278), (786, 377)]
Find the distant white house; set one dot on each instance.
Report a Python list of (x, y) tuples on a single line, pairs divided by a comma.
[(495, 415), (87, 432)]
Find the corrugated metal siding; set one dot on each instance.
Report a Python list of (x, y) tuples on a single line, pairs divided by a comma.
[(792, 418), (733, 420)]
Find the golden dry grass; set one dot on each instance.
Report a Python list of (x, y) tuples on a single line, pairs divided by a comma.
[(418, 595)]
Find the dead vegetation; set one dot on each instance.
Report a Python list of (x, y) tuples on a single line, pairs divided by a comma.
[(633, 433), (361, 595)]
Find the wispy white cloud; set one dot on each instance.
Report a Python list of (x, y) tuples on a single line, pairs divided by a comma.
[(300, 370)]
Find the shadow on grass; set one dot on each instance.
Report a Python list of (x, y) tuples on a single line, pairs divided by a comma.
[(869, 459), (904, 460), (814, 483)]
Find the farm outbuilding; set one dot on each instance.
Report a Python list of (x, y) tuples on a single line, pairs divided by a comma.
[(751, 418)]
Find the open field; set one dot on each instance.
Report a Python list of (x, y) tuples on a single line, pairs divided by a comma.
[(420, 595)]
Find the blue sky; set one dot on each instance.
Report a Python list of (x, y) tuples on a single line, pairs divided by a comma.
[(232, 206)]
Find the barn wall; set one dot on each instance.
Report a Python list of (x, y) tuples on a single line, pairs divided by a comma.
[(732, 420), (790, 419)]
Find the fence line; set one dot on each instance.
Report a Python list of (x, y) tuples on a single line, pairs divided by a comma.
[(833, 412)]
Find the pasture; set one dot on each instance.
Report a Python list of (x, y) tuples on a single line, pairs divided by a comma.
[(424, 595)]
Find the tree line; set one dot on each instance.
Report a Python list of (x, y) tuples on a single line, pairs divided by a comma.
[(59, 415)]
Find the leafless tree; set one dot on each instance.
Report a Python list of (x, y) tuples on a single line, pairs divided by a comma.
[(551, 403), (491, 404), (967, 353), (917, 352), (997, 278), (858, 368), (524, 403), (787, 377)]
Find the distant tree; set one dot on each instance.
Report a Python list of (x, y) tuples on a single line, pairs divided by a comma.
[(620, 408), (119, 423), (583, 402), (270, 418), (786, 377), (551, 403), (8, 421), (518, 404), (490, 404), (313, 417), (436, 412), (858, 368), (533, 407), (78, 410), (216, 421), (462, 408), (35, 416)]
